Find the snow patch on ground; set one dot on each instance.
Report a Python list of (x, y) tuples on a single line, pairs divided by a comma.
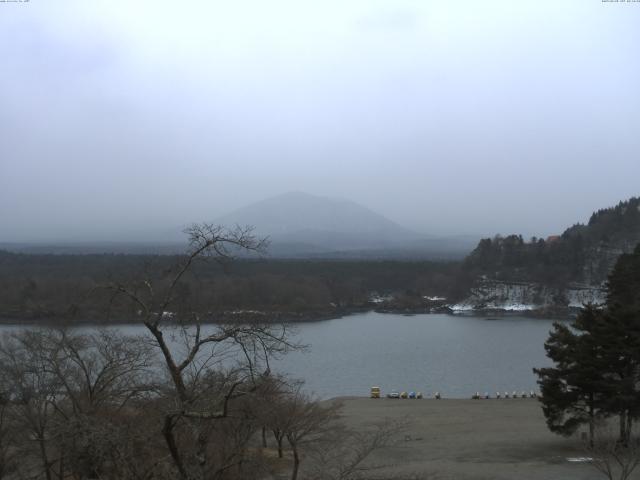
[(578, 297), (375, 298), (461, 307), (508, 307), (516, 307), (434, 299)]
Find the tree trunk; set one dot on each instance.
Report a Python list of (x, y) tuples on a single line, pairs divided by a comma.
[(174, 371), (296, 463), (624, 434), (45, 460), (591, 421), (264, 437), (167, 432), (279, 437), (60, 466)]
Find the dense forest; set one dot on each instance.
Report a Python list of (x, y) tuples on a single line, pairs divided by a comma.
[(184, 401), (67, 287), (582, 254)]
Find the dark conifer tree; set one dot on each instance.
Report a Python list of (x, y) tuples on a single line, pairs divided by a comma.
[(574, 390), (622, 339), (597, 359)]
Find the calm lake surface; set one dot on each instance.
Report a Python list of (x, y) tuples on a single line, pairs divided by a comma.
[(455, 355)]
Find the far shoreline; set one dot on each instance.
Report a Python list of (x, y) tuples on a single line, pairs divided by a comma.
[(291, 318)]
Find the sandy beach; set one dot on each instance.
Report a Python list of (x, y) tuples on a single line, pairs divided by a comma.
[(471, 439)]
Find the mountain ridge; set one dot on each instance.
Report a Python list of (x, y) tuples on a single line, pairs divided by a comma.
[(296, 211), (322, 223)]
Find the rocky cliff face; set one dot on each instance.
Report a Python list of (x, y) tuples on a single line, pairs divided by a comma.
[(492, 295), (610, 233), (601, 258), (561, 272)]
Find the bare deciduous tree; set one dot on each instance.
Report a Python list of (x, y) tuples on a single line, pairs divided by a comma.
[(8, 457), (344, 453), (189, 399), (238, 354), (62, 392), (302, 421), (614, 459), (32, 395)]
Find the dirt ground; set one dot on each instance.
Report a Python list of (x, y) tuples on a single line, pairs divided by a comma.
[(471, 439)]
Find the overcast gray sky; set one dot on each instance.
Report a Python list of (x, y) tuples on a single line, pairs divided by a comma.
[(446, 116)]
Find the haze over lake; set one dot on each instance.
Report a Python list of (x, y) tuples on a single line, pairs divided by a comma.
[(456, 355)]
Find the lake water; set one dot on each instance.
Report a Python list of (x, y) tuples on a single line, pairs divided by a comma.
[(455, 355)]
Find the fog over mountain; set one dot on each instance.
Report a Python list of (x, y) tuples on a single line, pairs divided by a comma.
[(297, 225), (300, 224), (300, 217), (121, 121)]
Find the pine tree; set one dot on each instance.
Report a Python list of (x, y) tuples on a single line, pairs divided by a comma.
[(574, 391), (622, 334), (597, 359)]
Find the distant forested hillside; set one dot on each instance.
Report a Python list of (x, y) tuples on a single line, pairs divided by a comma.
[(582, 254), (64, 287)]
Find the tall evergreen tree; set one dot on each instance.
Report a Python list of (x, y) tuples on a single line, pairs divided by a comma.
[(597, 359), (622, 336), (573, 391)]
